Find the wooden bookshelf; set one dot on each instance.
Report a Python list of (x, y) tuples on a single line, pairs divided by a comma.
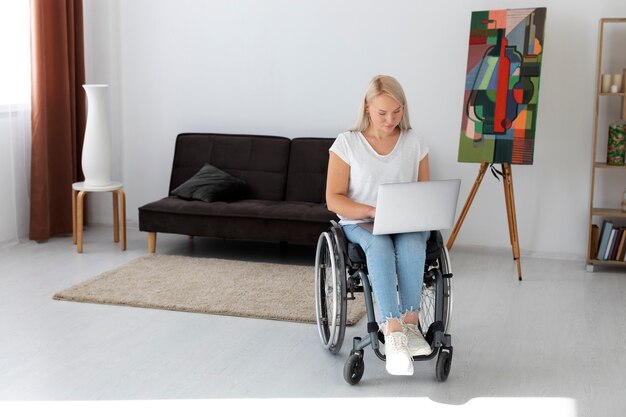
[(598, 213), (607, 212), (604, 165), (606, 263)]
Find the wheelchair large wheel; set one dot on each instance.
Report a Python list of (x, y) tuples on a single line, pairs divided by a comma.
[(429, 295), (330, 292)]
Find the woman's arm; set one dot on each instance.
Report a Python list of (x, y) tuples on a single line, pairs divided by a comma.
[(423, 171), (337, 189)]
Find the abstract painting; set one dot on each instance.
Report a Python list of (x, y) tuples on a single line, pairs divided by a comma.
[(502, 86)]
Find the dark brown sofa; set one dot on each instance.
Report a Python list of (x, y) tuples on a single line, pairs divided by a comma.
[(284, 195)]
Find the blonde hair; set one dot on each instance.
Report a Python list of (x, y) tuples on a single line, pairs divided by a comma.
[(382, 84)]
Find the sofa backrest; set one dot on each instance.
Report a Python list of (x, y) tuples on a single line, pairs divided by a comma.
[(308, 165), (261, 161)]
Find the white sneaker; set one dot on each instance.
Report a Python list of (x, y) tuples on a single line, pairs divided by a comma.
[(416, 343), (397, 357)]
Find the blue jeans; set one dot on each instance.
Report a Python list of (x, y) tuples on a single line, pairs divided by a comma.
[(395, 264)]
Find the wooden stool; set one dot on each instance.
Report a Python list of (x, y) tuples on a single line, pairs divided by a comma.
[(119, 211)]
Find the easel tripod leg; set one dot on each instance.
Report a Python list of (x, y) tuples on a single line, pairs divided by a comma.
[(468, 203), (512, 218), (507, 200)]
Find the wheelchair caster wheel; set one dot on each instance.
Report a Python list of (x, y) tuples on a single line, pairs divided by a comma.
[(354, 368), (444, 361)]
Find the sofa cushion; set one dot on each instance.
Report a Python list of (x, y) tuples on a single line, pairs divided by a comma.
[(210, 184), (308, 166), (260, 161), (231, 227), (259, 209)]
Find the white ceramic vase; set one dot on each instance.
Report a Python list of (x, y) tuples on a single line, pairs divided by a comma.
[(96, 158)]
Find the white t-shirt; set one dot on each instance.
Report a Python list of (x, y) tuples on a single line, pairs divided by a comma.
[(369, 169)]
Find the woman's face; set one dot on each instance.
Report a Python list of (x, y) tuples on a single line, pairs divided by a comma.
[(385, 112)]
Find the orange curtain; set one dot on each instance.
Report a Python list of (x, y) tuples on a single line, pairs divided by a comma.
[(58, 113)]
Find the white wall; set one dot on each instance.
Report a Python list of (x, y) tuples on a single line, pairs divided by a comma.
[(299, 68)]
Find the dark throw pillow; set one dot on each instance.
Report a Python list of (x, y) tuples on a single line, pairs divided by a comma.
[(210, 184)]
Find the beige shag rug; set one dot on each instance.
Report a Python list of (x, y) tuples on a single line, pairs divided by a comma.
[(208, 285)]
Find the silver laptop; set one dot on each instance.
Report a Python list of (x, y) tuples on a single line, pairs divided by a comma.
[(415, 207)]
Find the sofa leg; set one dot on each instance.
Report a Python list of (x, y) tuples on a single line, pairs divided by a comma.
[(151, 242)]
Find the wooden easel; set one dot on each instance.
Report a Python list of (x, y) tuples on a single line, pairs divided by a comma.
[(510, 210)]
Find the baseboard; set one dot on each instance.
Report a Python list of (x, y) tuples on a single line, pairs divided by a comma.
[(499, 250)]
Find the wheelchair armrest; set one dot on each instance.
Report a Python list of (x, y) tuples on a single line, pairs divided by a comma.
[(337, 230), (352, 253), (434, 244)]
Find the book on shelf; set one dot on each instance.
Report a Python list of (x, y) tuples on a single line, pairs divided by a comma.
[(622, 247), (618, 242), (618, 235), (605, 234), (609, 245), (609, 248)]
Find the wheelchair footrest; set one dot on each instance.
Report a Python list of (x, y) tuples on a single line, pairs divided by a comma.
[(435, 327)]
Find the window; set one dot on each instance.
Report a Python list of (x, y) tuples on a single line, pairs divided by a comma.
[(14, 52)]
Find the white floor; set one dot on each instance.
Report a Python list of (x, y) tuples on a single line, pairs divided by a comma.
[(557, 338)]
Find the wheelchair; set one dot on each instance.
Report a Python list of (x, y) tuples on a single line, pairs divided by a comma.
[(341, 271)]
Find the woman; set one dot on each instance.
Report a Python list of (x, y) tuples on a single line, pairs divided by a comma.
[(380, 149)]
